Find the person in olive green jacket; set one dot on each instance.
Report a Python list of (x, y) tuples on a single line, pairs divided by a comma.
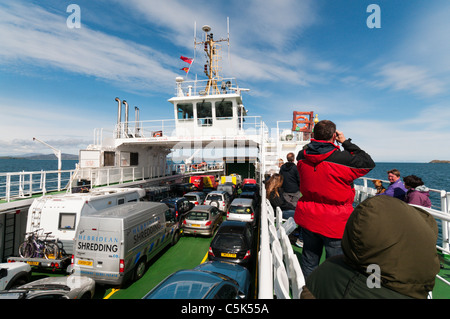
[(389, 252)]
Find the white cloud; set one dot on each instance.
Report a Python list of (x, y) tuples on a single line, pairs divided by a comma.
[(411, 78), (25, 38)]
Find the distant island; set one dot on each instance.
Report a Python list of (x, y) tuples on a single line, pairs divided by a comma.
[(439, 161), (42, 157)]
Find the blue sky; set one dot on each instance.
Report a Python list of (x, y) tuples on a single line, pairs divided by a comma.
[(386, 88)]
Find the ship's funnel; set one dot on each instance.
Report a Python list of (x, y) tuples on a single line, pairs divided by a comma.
[(126, 117), (119, 111)]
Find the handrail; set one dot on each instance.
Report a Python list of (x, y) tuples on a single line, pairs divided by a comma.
[(266, 275), (19, 185)]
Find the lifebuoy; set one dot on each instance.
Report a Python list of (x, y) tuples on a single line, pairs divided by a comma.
[(300, 119)]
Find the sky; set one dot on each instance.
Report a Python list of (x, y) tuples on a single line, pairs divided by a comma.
[(381, 73)]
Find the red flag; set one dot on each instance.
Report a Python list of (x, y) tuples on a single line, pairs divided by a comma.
[(187, 60), (185, 70)]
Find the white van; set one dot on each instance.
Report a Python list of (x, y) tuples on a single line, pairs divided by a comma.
[(59, 214), (115, 244)]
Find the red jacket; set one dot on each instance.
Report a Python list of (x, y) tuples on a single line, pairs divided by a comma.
[(326, 183)]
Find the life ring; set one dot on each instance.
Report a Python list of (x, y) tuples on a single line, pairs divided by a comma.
[(305, 121)]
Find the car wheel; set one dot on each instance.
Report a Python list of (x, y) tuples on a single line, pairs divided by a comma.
[(139, 269)]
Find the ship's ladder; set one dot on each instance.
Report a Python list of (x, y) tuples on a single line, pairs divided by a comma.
[(36, 215)]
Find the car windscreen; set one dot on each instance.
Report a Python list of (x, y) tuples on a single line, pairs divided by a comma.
[(229, 241), (191, 197), (241, 210), (214, 197), (198, 216)]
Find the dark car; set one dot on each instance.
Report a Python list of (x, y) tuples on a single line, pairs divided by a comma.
[(181, 189), (198, 284), (251, 188), (233, 242), (180, 206)]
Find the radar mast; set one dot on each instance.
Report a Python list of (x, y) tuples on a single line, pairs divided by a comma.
[(212, 68)]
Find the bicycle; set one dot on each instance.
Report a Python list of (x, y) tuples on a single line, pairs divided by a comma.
[(34, 247)]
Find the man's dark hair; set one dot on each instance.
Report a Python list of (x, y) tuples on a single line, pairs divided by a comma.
[(324, 130), (290, 157)]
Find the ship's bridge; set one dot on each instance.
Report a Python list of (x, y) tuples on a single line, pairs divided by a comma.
[(200, 112)]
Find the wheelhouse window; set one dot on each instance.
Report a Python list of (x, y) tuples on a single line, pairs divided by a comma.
[(67, 221), (185, 111), (204, 113), (109, 159), (134, 159), (224, 110)]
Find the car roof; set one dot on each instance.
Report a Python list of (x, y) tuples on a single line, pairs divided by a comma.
[(195, 193), (242, 201), (217, 192), (232, 270), (233, 226), (171, 199), (190, 279), (201, 208)]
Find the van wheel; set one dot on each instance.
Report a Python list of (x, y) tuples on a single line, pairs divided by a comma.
[(139, 269), (176, 238)]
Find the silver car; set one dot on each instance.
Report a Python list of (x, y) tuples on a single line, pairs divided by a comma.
[(219, 199), (197, 198), (242, 209), (202, 220), (68, 287)]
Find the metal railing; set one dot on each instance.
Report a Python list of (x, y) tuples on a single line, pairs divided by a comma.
[(267, 273), (19, 185)]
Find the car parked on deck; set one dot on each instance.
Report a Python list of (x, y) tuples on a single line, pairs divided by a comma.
[(180, 206), (68, 287), (181, 189), (219, 199), (202, 220), (243, 209), (14, 274), (211, 280), (196, 198), (230, 188), (233, 242)]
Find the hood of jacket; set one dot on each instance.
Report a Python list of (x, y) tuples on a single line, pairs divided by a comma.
[(288, 166), (422, 189), (399, 238), (317, 151)]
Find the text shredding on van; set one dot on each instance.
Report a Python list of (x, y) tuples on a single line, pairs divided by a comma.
[(116, 243)]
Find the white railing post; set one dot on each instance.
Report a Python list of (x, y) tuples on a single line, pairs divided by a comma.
[(265, 280), (445, 198)]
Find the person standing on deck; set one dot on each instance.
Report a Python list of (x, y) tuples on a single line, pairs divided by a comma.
[(326, 184), (396, 187), (291, 180)]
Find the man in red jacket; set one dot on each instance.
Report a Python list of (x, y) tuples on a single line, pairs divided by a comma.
[(326, 183)]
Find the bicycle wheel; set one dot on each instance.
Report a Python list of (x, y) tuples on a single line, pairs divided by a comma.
[(51, 251), (26, 250)]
